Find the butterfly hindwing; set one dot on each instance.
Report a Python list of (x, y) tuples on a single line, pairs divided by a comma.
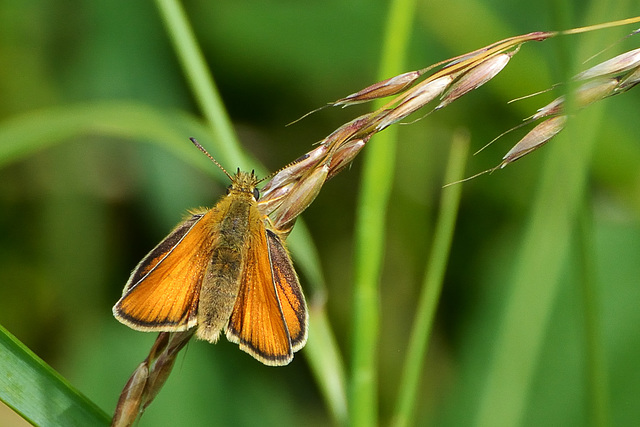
[(257, 323), (285, 279)]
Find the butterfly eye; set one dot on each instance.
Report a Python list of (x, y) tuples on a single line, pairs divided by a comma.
[(229, 189), (256, 194)]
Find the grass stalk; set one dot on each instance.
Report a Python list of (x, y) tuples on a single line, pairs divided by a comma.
[(201, 82), (326, 363), (431, 285), (597, 383), (377, 178)]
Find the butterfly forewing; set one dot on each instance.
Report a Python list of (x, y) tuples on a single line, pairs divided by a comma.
[(257, 323), (292, 303), (162, 293)]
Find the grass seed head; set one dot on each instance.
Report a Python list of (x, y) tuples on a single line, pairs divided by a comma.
[(616, 65), (476, 77)]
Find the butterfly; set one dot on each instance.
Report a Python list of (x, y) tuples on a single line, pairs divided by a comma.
[(225, 269)]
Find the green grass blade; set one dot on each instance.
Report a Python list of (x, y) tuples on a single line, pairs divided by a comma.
[(322, 352), (38, 393), (26, 134), (377, 178), (306, 257), (596, 373), (201, 82), (326, 363), (432, 284)]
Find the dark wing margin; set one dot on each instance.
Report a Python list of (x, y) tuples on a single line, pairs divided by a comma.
[(292, 302)]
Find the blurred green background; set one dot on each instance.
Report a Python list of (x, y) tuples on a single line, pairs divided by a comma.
[(78, 214)]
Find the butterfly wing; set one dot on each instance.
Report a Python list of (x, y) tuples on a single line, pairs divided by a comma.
[(162, 292), (257, 323), (292, 303)]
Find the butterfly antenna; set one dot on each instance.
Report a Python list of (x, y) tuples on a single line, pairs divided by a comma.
[(272, 174), (201, 148)]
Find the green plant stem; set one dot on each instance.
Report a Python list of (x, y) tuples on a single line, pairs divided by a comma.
[(377, 177), (326, 363), (432, 284), (201, 82), (597, 384), (322, 353), (24, 135)]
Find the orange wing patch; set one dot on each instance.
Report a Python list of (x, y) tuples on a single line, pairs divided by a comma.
[(292, 303), (162, 293), (257, 322)]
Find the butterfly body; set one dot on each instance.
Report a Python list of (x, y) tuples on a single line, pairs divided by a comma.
[(222, 278), (223, 269)]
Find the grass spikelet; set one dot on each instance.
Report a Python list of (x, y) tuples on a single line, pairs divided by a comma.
[(388, 87), (533, 140), (299, 198), (586, 94), (616, 65), (415, 100), (280, 182), (476, 77), (343, 157), (629, 81)]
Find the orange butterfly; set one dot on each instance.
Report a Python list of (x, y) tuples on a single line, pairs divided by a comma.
[(225, 268)]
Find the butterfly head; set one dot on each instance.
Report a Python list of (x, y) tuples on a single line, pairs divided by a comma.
[(244, 182)]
